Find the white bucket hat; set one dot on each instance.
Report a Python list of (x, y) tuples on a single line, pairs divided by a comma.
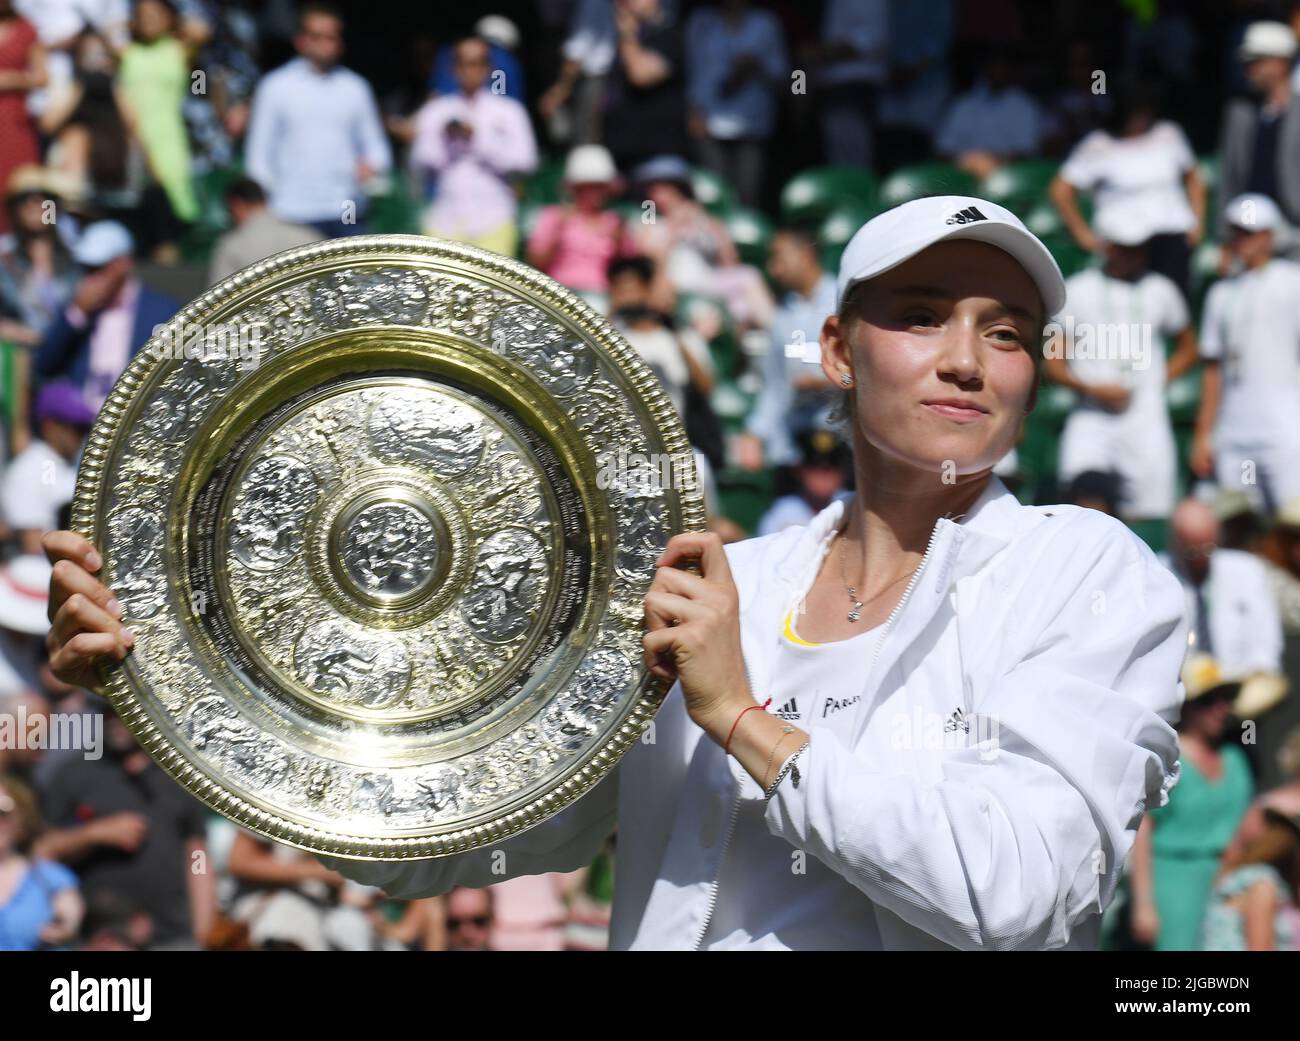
[(24, 594), (590, 164)]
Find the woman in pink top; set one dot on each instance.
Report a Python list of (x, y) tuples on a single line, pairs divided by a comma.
[(574, 243)]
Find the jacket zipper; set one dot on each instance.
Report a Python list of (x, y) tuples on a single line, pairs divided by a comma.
[(735, 806), (898, 607), (726, 841)]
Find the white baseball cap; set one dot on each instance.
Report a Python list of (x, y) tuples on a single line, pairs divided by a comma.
[(101, 242), (498, 29), (1267, 40), (1252, 211), (901, 233)]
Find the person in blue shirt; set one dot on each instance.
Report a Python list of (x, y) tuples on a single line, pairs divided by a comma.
[(40, 902), (796, 395)]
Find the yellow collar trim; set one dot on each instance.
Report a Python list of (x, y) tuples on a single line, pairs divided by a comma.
[(793, 636)]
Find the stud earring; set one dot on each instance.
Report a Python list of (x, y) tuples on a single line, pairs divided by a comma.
[(846, 379)]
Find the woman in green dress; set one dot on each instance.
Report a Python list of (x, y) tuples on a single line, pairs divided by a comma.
[(154, 79), (1180, 845)]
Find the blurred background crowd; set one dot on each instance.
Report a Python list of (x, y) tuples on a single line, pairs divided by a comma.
[(693, 170)]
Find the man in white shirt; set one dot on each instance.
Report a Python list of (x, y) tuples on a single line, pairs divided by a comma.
[(1248, 428), (1230, 605), (42, 478), (1113, 332), (314, 137)]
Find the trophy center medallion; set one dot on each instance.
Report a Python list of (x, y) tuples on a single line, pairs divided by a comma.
[(390, 548)]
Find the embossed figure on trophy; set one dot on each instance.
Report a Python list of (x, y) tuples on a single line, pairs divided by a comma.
[(510, 565), (389, 548), (497, 607), (370, 672), (266, 524), (411, 427)]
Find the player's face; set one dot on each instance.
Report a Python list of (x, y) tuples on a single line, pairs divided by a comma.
[(939, 350)]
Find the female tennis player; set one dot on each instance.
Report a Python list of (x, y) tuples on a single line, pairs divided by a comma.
[(932, 717)]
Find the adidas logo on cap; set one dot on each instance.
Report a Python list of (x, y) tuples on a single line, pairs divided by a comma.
[(967, 216)]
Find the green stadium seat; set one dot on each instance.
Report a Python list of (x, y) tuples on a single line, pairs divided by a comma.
[(213, 221), (1208, 165), (835, 230), (1183, 397), (811, 194), (1019, 186), (394, 212), (546, 183), (929, 178), (744, 496), (712, 191), (1044, 221), (529, 212), (751, 231), (1204, 273), (1155, 533)]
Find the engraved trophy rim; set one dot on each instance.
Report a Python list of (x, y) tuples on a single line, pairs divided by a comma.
[(89, 518)]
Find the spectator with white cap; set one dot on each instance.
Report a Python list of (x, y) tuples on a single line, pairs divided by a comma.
[(1113, 331), (43, 477), (111, 315), (574, 242), (24, 622), (1259, 147), (1246, 429)]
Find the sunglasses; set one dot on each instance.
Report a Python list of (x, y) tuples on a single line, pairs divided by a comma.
[(480, 920)]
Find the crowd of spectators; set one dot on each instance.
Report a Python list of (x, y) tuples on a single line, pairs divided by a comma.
[(691, 171)]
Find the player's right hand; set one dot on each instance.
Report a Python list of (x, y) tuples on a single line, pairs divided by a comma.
[(85, 617)]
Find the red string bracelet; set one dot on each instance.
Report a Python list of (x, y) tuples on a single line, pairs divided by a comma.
[(726, 749)]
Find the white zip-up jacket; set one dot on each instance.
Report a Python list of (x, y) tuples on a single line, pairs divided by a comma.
[(1052, 633)]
